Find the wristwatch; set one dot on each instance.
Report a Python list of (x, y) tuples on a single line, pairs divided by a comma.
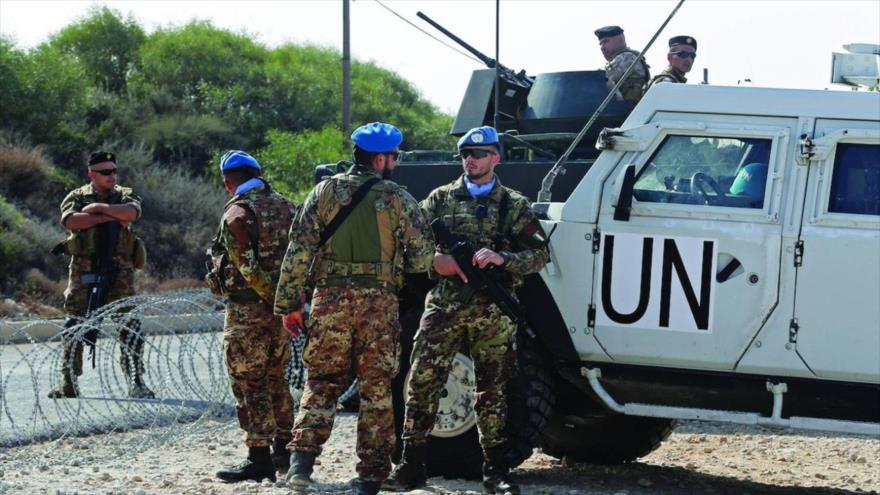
[(505, 255)]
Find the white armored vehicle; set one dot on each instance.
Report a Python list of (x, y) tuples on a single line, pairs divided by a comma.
[(719, 260)]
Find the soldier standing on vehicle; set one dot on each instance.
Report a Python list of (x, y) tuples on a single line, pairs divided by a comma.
[(88, 212), (681, 56), (506, 233), (355, 237), (245, 261), (612, 42)]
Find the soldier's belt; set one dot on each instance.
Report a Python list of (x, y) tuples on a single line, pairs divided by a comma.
[(356, 283), (331, 268), (247, 296)]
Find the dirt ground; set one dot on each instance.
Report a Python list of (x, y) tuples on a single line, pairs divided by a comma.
[(697, 458)]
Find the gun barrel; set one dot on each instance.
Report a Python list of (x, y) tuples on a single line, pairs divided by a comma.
[(490, 62)]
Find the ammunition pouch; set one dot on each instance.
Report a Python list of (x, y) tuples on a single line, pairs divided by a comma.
[(138, 254), (212, 278)]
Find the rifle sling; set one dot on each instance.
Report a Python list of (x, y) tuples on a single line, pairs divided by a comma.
[(346, 210), (503, 206)]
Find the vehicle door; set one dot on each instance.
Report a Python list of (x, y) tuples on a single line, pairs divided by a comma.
[(690, 277), (836, 324)]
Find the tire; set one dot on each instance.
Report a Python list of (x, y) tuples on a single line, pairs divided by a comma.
[(608, 438), (453, 449)]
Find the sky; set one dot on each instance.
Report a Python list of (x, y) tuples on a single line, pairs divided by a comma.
[(773, 43)]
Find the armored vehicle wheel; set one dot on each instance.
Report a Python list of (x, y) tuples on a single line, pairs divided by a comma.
[(608, 438), (453, 447)]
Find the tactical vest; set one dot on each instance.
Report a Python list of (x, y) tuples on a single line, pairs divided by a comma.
[(84, 243), (632, 90), (668, 73), (366, 250), (483, 221), (268, 235)]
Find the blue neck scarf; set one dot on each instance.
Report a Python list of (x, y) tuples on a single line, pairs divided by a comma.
[(479, 190), (249, 186)]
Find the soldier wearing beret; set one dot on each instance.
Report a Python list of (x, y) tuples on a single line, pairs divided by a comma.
[(681, 56), (88, 212), (612, 42), (355, 237), (500, 223), (245, 262)]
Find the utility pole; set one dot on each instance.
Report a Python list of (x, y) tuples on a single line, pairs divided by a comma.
[(346, 70)]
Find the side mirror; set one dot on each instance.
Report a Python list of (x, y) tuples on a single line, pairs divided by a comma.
[(625, 193)]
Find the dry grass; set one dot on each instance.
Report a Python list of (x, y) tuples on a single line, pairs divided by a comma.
[(24, 169)]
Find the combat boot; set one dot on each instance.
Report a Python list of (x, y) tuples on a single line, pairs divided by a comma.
[(71, 366), (139, 390), (67, 389), (410, 473), (258, 466), (301, 466), (280, 456), (496, 475), (131, 360), (365, 487)]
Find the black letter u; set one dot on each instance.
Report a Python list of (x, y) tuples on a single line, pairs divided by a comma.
[(644, 291)]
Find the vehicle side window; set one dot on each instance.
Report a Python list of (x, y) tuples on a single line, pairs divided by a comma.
[(701, 170), (855, 183)]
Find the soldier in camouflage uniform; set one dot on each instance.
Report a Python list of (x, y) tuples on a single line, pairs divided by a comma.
[(356, 272), (84, 211), (505, 233), (681, 56), (246, 258), (619, 56)]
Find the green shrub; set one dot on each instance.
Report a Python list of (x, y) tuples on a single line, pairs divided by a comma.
[(180, 216), (289, 160)]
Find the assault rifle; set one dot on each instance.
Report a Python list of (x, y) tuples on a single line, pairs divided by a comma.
[(102, 278), (481, 279)]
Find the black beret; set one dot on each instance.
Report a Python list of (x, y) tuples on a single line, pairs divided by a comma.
[(682, 40), (605, 32), (100, 157)]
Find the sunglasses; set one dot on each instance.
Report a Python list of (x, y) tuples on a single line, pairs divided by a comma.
[(393, 154), (477, 154), (685, 54), (106, 172)]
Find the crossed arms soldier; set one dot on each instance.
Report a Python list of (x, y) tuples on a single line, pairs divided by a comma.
[(104, 254)]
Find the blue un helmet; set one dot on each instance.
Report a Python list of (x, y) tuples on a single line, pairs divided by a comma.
[(233, 159), (750, 181)]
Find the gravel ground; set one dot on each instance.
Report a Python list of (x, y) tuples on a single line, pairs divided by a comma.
[(697, 458)]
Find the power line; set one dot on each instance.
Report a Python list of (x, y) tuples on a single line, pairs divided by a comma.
[(404, 19)]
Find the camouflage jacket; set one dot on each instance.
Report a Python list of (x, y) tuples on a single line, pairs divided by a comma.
[(669, 75), (632, 89), (246, 253), (83, 243), (521, 234), (399, 243)]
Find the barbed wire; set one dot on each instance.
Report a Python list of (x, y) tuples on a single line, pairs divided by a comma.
[(182, 364)]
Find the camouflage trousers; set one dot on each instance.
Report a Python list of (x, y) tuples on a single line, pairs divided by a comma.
[(76, 298), (444, 327), (352, 332), (257, 349), (76, 295)]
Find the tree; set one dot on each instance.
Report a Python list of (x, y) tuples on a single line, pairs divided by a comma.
[(186, 59), (106, 44)]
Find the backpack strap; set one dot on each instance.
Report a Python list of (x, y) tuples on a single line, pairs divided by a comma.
[(346, 210)]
